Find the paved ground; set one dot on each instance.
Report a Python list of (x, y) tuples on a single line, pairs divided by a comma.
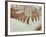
[(17, 26)]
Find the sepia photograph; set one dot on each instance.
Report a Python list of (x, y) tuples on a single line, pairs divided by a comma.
[(25, 18)]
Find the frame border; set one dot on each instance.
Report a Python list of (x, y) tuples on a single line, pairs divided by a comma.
[(6, 18)]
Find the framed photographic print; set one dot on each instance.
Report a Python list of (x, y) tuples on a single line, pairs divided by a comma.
[(24, 18)]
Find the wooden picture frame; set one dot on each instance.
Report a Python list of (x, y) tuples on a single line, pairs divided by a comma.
[(7, 14)]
